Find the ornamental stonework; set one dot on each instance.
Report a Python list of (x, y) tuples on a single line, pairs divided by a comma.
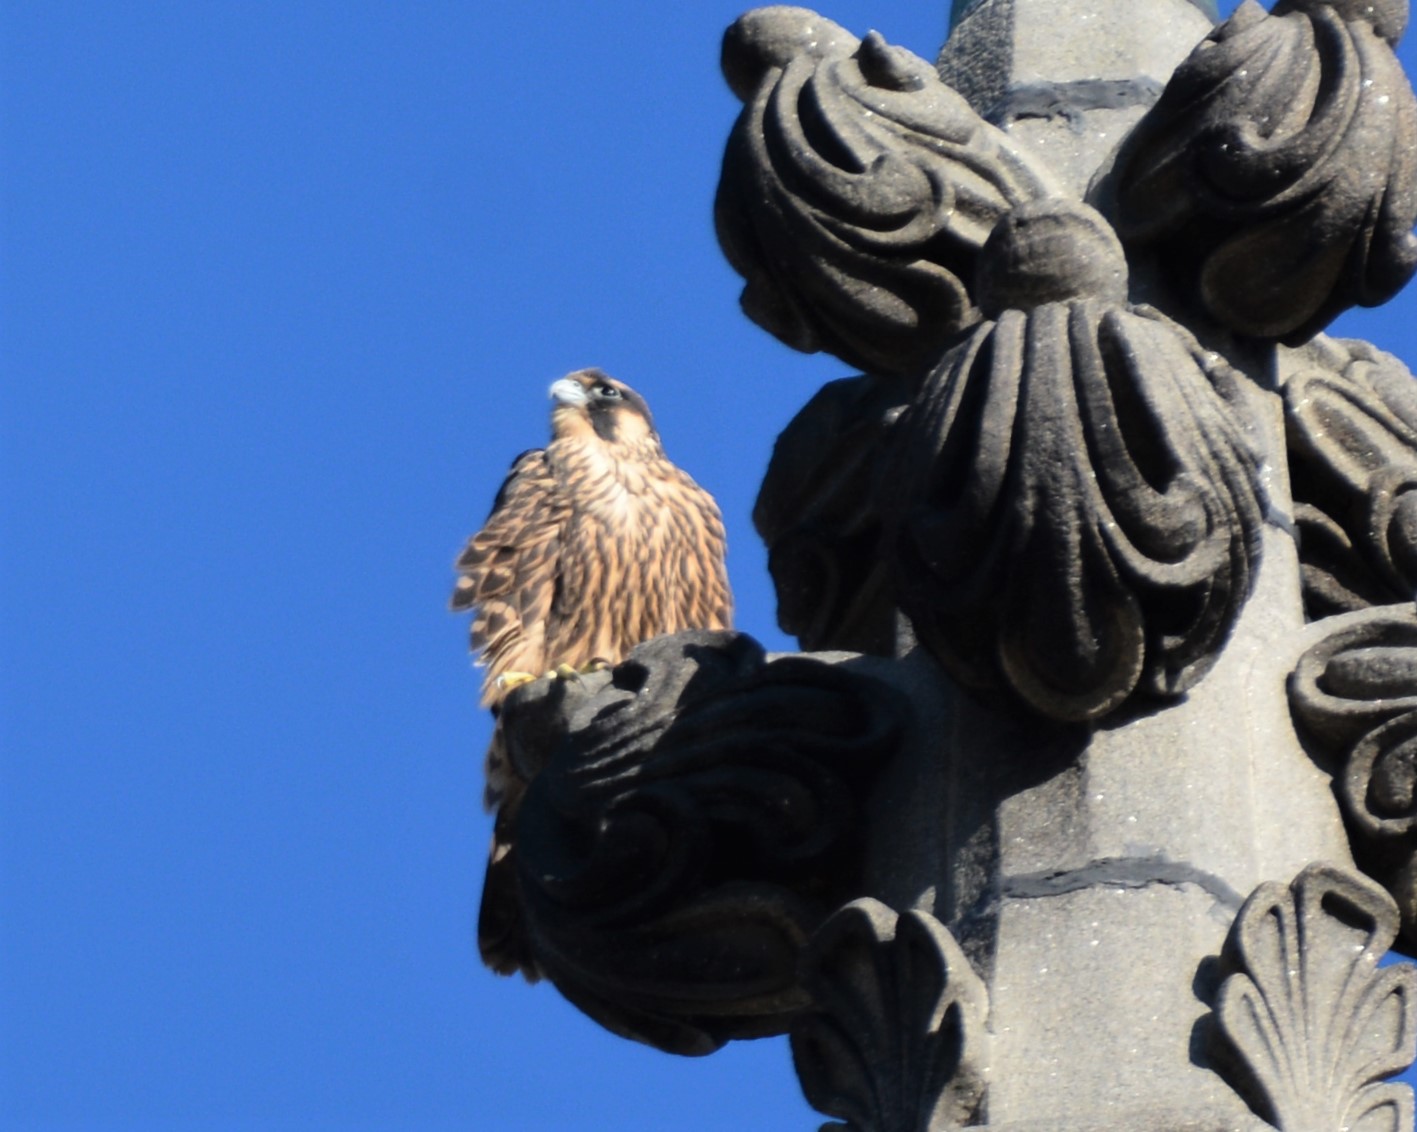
[(1091, 802)]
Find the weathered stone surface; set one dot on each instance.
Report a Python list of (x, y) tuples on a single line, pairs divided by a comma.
[(856, 191), (1002, 824), (1066, 79), (1069, 1001), (535, 719), (1075, 508), (1307, 1026), (1277, 176), (1142, 835), (676, 850)]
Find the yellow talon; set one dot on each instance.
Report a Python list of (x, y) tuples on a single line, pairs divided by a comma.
[(509, 680), (566, 671)]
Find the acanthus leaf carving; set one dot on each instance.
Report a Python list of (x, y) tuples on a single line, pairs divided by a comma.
[(1277, 175), (856, 191), (1355, 692), (895, 1038), (1308, 1026), (1075, 509), (677, 847), (1351, 425)]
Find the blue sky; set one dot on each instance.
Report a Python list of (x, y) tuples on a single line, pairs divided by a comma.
[(283, 287)]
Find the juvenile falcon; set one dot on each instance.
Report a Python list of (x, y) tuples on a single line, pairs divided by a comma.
[(595, 543)]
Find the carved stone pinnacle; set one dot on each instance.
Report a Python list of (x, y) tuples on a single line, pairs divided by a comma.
[(1105, 810)]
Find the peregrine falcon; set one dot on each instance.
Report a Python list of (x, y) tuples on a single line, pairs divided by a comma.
[(595, 543)]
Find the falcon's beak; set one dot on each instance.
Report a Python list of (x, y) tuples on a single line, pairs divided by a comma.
[(568, 392)]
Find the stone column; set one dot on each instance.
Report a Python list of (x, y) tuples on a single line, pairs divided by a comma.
[(1090, 872), (1069, 78)]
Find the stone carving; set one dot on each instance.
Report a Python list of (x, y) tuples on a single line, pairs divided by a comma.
[(1277, 176), (1355, 692), (856, 191), (1351, 419), (1058, 491), (817, 513), (1307, 1025), (895, 1040), (676, 850), (1103, 536)]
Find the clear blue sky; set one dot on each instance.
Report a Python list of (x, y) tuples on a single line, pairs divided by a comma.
[(283, 287)]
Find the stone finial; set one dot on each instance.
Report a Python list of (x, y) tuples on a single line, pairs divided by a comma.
[(1081, 506)]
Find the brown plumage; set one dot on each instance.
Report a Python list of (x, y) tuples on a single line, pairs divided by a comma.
[(595, 543)]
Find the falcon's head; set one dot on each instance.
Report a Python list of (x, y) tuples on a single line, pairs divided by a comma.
[(591, 402)]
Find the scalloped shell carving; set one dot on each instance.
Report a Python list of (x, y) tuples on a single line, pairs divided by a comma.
[(1309, 1025), (895, 1040)]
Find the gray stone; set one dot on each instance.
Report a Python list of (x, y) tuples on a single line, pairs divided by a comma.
[(695, 816), (1108, 540), (1067, 79)]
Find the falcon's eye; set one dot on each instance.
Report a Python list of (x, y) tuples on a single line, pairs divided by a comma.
[(608, 391)]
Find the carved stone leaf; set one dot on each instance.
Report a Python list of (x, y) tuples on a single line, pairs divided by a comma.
[(1308, 1024), (1076, 507), (1277, 175), (1355, 692), (678, 848), (895, 1039), (856, 191), (1351, 423), (817, 513)]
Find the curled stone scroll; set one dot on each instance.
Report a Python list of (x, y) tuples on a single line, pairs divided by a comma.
[(1355, 692), (1277, 175), (1075, 510), (697, 822), (856, 191)]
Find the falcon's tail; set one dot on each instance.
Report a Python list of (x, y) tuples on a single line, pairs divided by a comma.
[(497, 776), (501, 936)]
